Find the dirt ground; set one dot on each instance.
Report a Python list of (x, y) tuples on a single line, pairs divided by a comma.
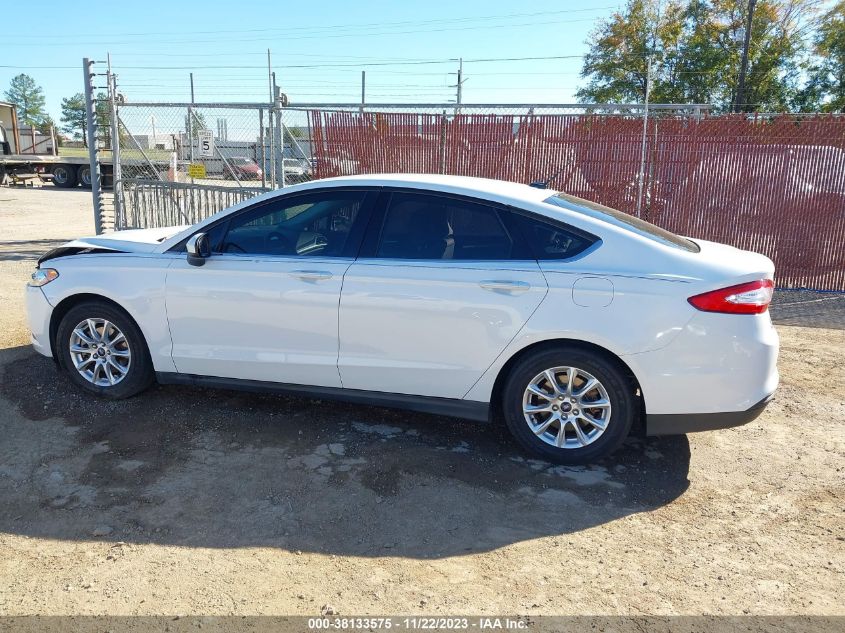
[(188, 501)]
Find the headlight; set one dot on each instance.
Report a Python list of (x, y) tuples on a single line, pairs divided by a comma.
[(43, 276)]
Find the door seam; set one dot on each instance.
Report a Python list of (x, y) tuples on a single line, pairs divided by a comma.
[(339, 299), (167, 315), (513, 338)]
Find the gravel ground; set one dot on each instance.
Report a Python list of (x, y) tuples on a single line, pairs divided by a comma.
[(188, 501)]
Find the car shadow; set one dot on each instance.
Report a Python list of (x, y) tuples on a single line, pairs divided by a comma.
[(221, 469)]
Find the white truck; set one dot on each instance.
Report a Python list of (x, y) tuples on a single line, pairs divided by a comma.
[(27, 154)]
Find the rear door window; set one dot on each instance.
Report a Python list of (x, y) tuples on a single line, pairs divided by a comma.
[(550, 240), (424, 226)]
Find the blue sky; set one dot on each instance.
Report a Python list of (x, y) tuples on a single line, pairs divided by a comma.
[(318, 48)]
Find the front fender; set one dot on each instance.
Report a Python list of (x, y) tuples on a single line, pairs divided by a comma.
[(136, 283)]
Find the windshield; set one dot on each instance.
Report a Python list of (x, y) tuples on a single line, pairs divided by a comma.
[(621, 219), (241, 161)]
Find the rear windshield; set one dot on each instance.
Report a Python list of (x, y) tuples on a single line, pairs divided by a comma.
[(621, 219)]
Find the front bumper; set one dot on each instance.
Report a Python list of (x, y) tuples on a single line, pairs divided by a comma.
[(679, 423), (38, 311)]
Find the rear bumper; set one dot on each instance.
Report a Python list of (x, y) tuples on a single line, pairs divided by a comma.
[(679, 423), (718, 364)]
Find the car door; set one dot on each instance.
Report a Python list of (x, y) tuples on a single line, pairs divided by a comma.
[(264, 306), (440, 289)]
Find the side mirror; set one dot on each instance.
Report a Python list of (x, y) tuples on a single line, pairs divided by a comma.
[(198, 249)]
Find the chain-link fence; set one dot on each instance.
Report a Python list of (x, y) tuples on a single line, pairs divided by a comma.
[(574, 147), (774, 184), (179, 163), (770, 183)]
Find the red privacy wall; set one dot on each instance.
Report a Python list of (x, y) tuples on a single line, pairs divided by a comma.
[(775, 185)]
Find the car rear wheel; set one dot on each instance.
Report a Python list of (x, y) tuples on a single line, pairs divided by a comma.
[(568, 405), (103, 351)]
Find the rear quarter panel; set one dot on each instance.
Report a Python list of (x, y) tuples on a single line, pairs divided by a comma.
[(620, 297)]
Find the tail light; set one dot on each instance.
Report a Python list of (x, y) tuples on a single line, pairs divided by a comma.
[(749, 298)]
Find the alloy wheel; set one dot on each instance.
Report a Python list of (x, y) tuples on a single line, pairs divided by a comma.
[(100, 352), (566, 407)]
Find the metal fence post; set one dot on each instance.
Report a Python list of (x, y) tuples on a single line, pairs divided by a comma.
[(117, 192), (443, 124), (271, 140), (645, 136), (263, 147), (93, 158), (279, 138)]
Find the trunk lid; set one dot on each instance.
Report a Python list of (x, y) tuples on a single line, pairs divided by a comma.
[(723, 263)]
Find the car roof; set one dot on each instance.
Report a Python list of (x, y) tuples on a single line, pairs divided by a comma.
[(478, 187), (482, 188)]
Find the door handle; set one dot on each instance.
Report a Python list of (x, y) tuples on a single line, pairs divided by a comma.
[(311, 275), (504, 285)]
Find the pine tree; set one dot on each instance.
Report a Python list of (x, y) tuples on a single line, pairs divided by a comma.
[(28, 99), (73, 116)]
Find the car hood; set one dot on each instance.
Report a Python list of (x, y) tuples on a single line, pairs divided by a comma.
[(129, 241)]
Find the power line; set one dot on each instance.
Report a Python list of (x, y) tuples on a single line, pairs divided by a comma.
[(328, 65), (329, 35), (330, 28)]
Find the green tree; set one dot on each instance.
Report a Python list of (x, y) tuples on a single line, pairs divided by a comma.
[(73, 116), (778, 36), (102, 117), (195, 123), (825, 87), (28, 98), (696, 48), (47, 124), (617, 64)]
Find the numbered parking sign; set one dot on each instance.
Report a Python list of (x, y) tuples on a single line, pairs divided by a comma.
[(206, 138)]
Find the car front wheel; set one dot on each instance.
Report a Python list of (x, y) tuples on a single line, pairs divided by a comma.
[(568, 405), (103, 350)]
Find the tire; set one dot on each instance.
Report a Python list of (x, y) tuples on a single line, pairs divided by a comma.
[(137, 372), (83, 176), (64, 176), (593, 443)]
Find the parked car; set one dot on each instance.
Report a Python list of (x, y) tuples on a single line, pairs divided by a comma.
[(243, 168), (570, 321), (296, 170)]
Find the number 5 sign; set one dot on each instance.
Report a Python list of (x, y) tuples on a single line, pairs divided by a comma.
[(206, 138)]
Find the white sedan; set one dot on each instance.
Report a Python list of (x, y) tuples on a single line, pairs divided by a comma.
[(571, 322)]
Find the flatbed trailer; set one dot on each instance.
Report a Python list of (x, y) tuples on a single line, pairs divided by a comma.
[(63, 171), (27, 153)]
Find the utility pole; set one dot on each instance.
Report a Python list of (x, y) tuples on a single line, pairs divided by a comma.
[(459, 92), (363, 89), (460, 79), (740, 99), (270, 77)]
